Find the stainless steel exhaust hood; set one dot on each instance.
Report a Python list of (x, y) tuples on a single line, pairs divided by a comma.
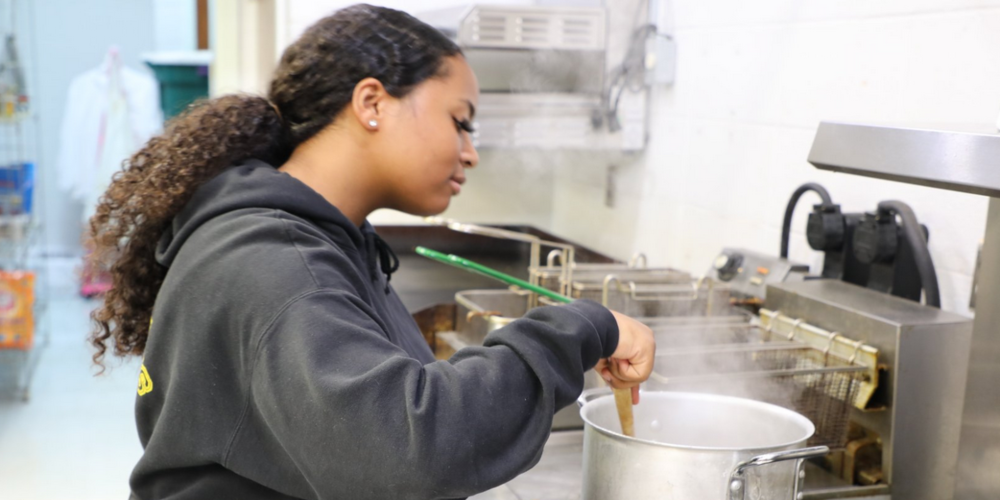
[(541, 72)]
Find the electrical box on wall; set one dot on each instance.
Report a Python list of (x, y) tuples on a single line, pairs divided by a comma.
[(661, 60), (661, 48)]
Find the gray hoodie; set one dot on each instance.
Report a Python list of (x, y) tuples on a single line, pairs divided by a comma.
[(281, 364)]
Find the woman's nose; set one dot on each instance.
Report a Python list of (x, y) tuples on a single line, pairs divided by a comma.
[(469, 155)]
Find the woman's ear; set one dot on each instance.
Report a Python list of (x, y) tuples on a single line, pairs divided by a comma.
[(368, 102)]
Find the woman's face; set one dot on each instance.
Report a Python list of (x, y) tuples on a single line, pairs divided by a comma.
[(424, 145)]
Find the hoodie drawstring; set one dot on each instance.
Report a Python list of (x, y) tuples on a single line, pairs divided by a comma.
[(387, 259)]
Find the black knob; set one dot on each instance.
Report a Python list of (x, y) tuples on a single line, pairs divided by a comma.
[(825, 231), (727, 265)]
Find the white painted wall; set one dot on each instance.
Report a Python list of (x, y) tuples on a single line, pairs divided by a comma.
[(176, 25), (729, 140)]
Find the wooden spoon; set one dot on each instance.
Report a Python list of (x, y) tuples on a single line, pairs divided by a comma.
[(623, 400)]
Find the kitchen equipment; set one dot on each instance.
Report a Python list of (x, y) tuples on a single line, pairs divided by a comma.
[(629, 289), (482, 311), (565, 251), (881, 378), (551, 276), (694, 446), (635, 290), (901, 423), (622, 396), (423, 283), (870, 249), (747, 273), (817, 373), (955, 160), (470, 266), (541, 71), (688, 331), (904, 420), (634, 297)]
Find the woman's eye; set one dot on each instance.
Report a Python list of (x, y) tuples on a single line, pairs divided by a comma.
[(463, 125)]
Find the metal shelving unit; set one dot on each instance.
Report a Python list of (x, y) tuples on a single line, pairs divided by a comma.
[(23, 281)]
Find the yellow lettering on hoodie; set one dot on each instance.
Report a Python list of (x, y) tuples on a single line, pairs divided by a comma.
[(145, 382)]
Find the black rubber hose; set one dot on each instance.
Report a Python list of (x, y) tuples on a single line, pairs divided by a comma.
[(914, 234), (786, 226)]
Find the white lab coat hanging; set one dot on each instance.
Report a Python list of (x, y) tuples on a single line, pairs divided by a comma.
[(111, 111)]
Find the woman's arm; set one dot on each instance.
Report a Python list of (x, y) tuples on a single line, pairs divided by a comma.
[(332, 400)]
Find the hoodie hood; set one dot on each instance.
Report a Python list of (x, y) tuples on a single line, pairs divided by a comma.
[(255, 184)]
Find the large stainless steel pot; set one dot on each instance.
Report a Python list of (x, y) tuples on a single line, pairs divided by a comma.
[(691, 446)]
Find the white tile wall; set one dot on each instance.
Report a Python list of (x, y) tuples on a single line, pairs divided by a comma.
[(729, 140)]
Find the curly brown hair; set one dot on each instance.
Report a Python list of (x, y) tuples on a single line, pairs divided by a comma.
[(313, 83)]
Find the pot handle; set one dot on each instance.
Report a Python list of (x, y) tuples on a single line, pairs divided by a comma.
[(737, 482), (592, 393)]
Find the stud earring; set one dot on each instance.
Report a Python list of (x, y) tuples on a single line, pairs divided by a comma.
[(372, 123)]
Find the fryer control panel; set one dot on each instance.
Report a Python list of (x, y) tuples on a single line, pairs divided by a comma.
[(748, 272)]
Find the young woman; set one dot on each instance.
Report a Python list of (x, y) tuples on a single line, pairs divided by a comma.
[(277, 360)]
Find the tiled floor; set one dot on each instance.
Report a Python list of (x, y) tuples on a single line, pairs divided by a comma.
[(75, 438)]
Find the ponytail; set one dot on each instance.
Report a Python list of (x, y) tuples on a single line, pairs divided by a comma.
[(152, 187)]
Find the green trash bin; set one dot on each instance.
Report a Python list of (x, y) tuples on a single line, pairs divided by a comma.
[(181, 83)]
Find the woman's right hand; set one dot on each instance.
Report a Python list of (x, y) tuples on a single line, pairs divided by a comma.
[(632, 362)]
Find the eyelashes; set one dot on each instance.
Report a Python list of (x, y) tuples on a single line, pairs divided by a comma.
[(463, 125)]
